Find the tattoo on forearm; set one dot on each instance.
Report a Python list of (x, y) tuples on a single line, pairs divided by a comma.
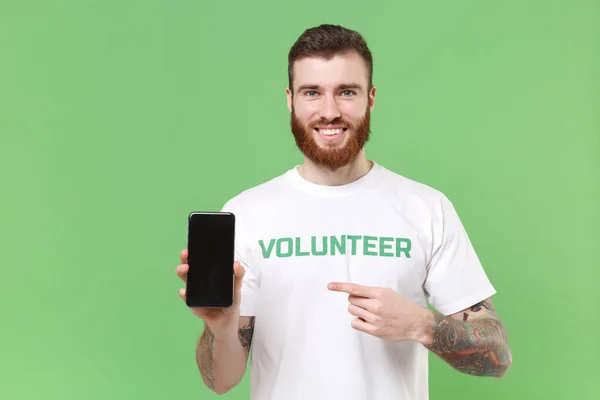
[(245, 333), (207, 348), (485, 303), (478, 347)]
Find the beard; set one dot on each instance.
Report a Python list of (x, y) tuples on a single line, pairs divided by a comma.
[(334, 157)]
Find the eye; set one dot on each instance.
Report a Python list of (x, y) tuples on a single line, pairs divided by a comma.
[(348, 93), (310, 93)]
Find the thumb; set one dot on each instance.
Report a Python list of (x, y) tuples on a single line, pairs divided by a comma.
[(239, 277), (239, 272)]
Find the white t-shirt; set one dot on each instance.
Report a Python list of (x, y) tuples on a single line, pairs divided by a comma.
[(294, 237)]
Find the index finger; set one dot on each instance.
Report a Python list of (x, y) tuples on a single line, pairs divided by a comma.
[(353, 289), (183, 256)]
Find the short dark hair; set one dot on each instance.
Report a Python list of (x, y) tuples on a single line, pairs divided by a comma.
[(326, 41)]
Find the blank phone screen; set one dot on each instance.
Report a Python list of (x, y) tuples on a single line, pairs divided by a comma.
[(210, 277)]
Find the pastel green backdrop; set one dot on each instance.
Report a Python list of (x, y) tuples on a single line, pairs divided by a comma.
[(120, 117)]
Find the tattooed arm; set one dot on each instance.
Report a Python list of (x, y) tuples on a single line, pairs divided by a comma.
[(222, 358), (472, 341)]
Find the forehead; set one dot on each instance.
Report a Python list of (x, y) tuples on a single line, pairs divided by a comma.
[(341, 69)]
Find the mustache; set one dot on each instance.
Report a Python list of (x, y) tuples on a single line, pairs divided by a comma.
[(335, 121)]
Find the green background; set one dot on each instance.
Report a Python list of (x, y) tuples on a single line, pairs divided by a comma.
[(118, 118)]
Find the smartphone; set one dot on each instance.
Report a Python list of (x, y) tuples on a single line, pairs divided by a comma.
[(210, 278)]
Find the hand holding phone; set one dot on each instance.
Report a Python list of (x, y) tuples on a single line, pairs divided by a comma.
[(213, 280), (214, 317)]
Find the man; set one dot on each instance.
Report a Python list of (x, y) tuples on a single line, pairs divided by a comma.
[(337, 258)]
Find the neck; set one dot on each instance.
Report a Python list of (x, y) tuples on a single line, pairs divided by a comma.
[(321, 175)]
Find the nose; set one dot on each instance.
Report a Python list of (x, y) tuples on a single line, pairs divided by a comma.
[(330, 110)]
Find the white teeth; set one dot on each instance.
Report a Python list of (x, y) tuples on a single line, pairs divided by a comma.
[(330, 132)]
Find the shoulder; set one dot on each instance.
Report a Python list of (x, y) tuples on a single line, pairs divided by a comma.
[(257, 195), (414, 193)]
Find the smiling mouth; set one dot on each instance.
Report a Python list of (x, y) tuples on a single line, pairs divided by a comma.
[(331, 132)]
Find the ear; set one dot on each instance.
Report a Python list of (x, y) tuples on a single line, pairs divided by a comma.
[(288, 93), (372, 97)]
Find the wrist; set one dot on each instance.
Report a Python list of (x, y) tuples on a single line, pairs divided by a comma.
[(425, 327), (221, 332)]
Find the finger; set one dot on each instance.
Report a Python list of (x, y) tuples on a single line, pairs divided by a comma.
[(362, 302), (363, 326), (239, 278), (361, 313), (181, 271), (183, 256), (182, 294), (353, 289), (239, 272)]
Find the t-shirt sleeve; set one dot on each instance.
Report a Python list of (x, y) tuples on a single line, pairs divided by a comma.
[(455, 277), (251, 281)]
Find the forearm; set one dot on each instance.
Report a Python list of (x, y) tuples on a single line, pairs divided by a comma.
[(477, 347), (221, 359)]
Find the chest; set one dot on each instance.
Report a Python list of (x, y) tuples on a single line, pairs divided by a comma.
[(300, 253)]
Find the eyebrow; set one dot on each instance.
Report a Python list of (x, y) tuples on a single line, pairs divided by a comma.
[(343, 86)]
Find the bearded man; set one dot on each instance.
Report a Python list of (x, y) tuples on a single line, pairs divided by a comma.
[(337, 259)]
